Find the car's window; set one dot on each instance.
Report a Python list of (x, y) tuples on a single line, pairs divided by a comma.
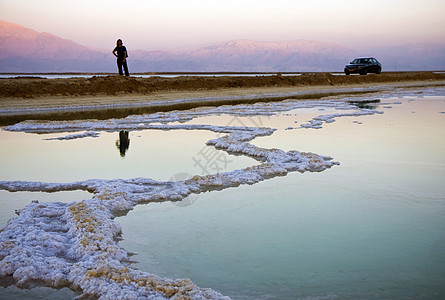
[(364, 60)]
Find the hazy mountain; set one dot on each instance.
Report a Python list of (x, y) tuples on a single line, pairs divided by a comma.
[(25, 50), (254, 56), (419, 57)]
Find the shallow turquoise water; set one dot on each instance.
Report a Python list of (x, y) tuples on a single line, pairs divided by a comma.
[(371, 228)]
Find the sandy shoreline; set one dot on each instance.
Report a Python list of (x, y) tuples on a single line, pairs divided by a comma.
[(113, 96)]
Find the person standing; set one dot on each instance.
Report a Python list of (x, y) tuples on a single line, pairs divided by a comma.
[(121, 53)]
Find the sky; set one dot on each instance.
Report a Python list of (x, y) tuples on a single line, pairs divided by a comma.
[(169, 24)]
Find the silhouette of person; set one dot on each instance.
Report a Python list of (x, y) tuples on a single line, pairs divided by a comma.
[(123, 143), (120, 51)]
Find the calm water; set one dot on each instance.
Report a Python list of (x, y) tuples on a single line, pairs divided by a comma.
[(151, 153), (371, 228)]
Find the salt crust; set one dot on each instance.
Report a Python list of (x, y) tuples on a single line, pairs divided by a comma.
[(76, 244), (75, 136)]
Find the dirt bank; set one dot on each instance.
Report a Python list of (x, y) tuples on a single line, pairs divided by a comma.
[(116, 85)]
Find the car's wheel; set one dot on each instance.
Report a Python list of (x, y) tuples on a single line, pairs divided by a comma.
[(347, 72), (378, 71), (363, 72)]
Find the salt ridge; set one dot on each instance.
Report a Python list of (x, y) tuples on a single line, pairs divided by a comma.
[(152, 121)]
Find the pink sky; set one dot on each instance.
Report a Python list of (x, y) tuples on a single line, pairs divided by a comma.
[(175, 23)]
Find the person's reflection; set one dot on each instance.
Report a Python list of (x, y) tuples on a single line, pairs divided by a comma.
[(123, 143)]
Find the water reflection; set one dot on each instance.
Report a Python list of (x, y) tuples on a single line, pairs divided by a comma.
[(154, 154), (123, 143)]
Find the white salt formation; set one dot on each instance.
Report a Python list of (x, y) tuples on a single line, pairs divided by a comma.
[(159, 120), (76, 136)]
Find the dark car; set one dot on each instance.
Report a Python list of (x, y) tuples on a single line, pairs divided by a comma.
[(363, 66)]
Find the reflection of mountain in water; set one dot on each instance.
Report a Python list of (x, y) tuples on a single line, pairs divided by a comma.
[(123, 143)]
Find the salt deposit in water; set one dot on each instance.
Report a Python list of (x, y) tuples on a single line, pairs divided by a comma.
[(76, 244)]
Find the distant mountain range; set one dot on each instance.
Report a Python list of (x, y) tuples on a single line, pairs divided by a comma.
[(25, 50)]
